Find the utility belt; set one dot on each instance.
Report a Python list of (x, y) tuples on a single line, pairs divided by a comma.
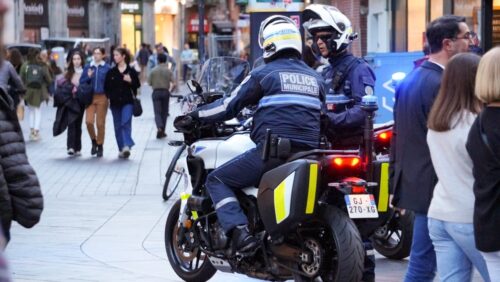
[(280, 148)]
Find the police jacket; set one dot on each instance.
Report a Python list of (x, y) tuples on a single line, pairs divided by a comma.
[(354, 78), (289, 97)]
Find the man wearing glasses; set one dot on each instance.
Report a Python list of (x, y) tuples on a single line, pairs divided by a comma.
[(347, 76)]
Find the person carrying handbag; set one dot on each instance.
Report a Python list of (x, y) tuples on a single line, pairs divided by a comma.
[(121, 85)]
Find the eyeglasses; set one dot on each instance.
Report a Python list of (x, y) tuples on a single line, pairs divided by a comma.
[(467, 36)]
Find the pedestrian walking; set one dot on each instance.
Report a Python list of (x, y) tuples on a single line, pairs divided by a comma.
[(69, 109), (16, 59), (186, 60), (95, 114), (36, 77), (452, 204), (160, 80), (121, 85), (142, 58), (10, 81), (411, 172), (483, 146)]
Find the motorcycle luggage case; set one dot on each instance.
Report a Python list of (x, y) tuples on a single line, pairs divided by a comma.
[(288, 195)]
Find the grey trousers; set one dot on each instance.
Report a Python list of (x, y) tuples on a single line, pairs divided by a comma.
[(161, 100)]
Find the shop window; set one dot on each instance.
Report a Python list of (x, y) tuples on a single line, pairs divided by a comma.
[(436, 9), (416, 25), (471, 10), (495, 38)]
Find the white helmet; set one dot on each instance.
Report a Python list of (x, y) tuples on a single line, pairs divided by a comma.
[(278, 33), (319, 17)]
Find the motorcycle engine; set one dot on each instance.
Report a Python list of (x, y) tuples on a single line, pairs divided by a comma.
[(219, 238)]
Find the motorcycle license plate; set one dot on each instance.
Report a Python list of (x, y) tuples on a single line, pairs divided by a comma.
[(361, 206)]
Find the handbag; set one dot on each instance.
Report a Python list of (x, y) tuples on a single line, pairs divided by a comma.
[(137, 111), (85, 94)]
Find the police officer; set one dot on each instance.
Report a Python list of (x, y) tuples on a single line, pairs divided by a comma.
[(346, 75), (290, 99), (332, 34)]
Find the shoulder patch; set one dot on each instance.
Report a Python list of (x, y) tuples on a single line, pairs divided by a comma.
[(368, 90)]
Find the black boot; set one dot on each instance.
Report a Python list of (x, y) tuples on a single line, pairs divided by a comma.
[(243, 241), (99, 151), (93, 151)]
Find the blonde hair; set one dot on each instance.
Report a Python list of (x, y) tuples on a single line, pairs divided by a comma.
[(487, 78)]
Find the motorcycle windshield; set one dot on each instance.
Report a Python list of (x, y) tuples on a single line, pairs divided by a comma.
[(223, 74)]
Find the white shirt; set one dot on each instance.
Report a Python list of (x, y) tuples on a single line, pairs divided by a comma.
[(453, 198)]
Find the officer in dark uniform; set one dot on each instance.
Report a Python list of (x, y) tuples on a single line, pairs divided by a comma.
[(290, 99), (347, 75), (347, 78)]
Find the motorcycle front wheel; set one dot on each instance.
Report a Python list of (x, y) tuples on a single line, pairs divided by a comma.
[(191, 266), (338, 244)]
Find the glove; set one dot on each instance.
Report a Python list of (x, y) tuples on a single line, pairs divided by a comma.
[(185, 123)]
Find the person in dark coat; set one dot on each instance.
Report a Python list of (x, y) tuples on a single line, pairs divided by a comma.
[(69, 108), (20, 195), (411, 172), (121, 85), (483, 146)]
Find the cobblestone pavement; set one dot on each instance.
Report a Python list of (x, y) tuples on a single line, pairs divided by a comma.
[(104, 218)]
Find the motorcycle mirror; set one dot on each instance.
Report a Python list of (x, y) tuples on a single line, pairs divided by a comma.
[(194, 87)]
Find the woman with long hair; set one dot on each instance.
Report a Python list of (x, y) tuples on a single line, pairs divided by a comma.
[(36, 78), (121, 85), (452, 205), (75, 109), (483, 146), (16, 59), (95, 75)]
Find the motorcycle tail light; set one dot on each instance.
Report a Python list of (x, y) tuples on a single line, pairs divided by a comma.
[(358, 190), (346, 162), (384, 136)]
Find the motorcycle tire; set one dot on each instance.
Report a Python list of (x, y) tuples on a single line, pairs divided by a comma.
[(400, 250), (202, 273), (168, 191), (347, 263)]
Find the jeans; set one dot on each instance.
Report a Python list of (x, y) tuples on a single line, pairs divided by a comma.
[(161, 100), (75, 134), (122, 120), (422, 265), (493, 262), (456, 251)]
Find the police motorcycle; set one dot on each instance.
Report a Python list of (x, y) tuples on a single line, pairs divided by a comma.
[(301, 212), (219, 75)]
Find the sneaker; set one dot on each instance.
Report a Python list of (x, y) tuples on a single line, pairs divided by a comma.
[(36, 135), (93, 151), (78, 153), (243, 241), (126, 152), (100, 151), (71, 151), (158, 134), (32, 136), (121, 155)]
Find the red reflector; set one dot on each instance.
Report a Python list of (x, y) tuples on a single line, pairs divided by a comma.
[(347, 161), (358, 190)]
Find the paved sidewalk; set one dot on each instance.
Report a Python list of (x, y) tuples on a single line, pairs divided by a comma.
[(104, 218)]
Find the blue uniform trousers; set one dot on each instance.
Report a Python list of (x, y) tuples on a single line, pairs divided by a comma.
[(243, 171)]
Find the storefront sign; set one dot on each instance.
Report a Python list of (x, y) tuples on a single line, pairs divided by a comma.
[(78, 11), (36, 13), (275, 6), (131, 7), (193, 25)]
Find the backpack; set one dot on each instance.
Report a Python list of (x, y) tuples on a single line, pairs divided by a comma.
[(34, 76)]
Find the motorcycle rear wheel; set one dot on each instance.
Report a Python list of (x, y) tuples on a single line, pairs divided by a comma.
[(342, 248), (185, 264), (394, 240)]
